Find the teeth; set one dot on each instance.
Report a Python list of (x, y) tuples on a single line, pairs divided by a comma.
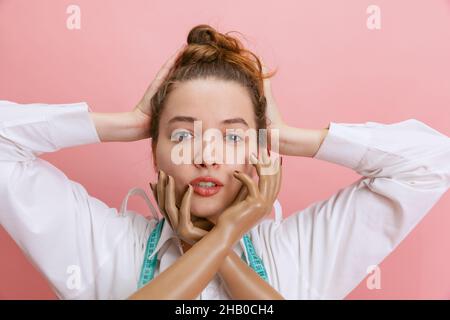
[(206, 184)]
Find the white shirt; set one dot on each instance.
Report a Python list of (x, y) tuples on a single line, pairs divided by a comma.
[(320, 252)]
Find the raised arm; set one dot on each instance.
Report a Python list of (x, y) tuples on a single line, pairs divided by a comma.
[(292, 141), (405, 170), (64, 231), (132, 125)]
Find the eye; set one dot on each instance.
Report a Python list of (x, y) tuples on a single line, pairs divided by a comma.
[(234, 137), (181, 136)]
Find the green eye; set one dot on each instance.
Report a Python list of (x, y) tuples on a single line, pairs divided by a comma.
[(181, 136)]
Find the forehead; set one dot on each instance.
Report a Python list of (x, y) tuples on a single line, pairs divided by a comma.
[(210, 100)]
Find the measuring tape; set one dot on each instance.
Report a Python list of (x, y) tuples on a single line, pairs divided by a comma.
[(255, 262), (149, 264)]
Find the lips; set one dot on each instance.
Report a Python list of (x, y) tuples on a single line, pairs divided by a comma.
[(206, 186)]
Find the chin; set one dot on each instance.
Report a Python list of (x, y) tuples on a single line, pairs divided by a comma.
[(204, 208)]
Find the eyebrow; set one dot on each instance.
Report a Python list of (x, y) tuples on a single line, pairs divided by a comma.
[(192, 119)]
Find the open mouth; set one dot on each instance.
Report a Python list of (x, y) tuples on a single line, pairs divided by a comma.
[(206, 186), (206, 191)]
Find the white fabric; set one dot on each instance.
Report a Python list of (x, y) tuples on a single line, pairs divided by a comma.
[(320, 252)]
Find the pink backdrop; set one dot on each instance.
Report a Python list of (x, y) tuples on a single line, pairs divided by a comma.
[(331, 68)]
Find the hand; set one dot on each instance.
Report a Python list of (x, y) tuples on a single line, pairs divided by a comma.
[(273, 114), (180, 219), (242, 216), (272, 111), (162, 190), (292, 141), (142, 112)]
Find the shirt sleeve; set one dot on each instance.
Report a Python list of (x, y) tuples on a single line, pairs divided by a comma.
[(405, 170), (73, 239)]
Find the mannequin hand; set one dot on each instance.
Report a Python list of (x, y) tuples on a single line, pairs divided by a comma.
[(192, 234), (250, 205), (204, 224), (242, 216), (180, 219)]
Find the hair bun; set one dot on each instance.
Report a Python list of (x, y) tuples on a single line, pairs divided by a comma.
[(206, 35)]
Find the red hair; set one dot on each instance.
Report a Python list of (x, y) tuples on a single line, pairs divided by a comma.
[(211, 54)]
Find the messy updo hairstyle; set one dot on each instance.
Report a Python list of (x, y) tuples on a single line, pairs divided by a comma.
[(211, 54)]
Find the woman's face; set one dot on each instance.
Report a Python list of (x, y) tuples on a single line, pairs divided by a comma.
[(218, 104)]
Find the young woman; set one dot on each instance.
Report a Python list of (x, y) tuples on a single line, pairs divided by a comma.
[(213, 242)]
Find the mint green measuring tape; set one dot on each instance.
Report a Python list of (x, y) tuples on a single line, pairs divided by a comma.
[(149, 265)]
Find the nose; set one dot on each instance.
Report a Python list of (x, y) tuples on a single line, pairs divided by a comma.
[(206, 165), (206, 161), (208, 156)]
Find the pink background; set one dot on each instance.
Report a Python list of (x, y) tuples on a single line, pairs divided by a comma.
[(331, 68)]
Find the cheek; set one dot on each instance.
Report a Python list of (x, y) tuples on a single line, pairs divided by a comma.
[(183, 173), (164, 163), (163, 157), (235, 184), (245, 167)]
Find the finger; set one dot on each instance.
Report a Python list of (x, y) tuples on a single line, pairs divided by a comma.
[(154, 193), (265, 156), (152, 187), (262, 179), (203, 223), (189, 231), (264, 68), (185, 207), (254, 160), (248, 182), (266, 82), (186, 228), (195, 234), (277, 177), (273, 182), (170, 202), (160, 186), (155, 196), (163, 72), (242, 194)]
